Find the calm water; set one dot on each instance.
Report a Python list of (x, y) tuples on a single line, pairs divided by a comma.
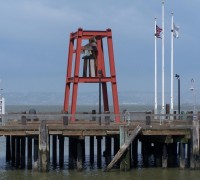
[(89, 172)]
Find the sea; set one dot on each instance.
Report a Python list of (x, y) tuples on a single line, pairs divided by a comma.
[(7, 172)]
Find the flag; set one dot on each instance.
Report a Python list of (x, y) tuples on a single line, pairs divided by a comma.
[(176, 31), (158, 31)]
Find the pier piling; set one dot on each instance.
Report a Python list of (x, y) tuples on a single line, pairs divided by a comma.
[(43, 147)]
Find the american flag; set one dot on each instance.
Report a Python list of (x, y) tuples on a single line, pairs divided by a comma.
[(158, 31)]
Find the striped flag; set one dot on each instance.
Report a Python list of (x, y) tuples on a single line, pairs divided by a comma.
[(158, 31)]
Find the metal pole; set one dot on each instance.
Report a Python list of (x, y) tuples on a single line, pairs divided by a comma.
[(179, 110), (99, 72)]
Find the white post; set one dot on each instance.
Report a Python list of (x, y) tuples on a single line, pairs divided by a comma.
[(172, 68), (156, 103), (163, 62)]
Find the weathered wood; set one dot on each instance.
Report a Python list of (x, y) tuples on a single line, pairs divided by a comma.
[(164, 155), (43, 147), (124, 147), (36, 144), (182, 155), (79, 161), (125, 160), (195, 144), (29, 160)]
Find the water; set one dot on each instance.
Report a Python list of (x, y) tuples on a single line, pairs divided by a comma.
[(89, 172)]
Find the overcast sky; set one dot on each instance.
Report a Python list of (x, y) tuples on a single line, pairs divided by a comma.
[(34, 36)]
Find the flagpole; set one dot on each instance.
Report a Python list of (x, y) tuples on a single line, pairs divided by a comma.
[(172, 67), (163, 62), (156, 103)]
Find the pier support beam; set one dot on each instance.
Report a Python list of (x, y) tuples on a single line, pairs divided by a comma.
[(125, 159), (99, 161), (80, 143), (158, 154), (8, 149), (23, 152), (164, 155), (145, 154), (13, 149), (182, 155), (135, 152), (72, 151), (36, 144), (29, 146), (107, 152), (195, 156), (91, 149), (43, 147), (17, 152), (172, 154), (54, 150), (61, 151), (116, 144)]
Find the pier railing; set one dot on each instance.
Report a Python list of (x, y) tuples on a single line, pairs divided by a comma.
[(146, 118)]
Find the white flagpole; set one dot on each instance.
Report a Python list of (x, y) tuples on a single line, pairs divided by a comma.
[(156, 103), (172, 67), (163, 62)]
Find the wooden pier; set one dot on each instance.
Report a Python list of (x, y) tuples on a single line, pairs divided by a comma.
[(32, 141)]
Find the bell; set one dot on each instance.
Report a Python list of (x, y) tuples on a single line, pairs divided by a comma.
[(91, 56), (87, 47)]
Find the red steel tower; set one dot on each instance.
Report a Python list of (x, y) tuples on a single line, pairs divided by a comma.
[(94, 70)]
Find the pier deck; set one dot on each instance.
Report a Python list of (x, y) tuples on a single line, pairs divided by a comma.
[(164, 138)]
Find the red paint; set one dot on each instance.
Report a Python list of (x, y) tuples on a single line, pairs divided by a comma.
[(73, 77)]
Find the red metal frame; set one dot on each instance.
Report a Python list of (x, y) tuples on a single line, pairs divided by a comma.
[(77, 38)]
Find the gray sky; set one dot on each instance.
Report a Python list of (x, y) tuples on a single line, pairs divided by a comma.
[(34, 37)]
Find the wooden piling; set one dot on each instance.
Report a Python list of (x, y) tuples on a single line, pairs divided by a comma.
[(54, 149), (134, 147), (125, 146), (91, 149), (43, 147), (99, 161), (107, 152), (13, 149), (172, 154), (61, 151), (116, 144), (158, 154), (23, 152), (164, 155), (72, 151), (18, 152), (36, 145), (182, 155), (195, 157), (125, 160), (8, 149), (79, 153), (145, 153), (29, 152)]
